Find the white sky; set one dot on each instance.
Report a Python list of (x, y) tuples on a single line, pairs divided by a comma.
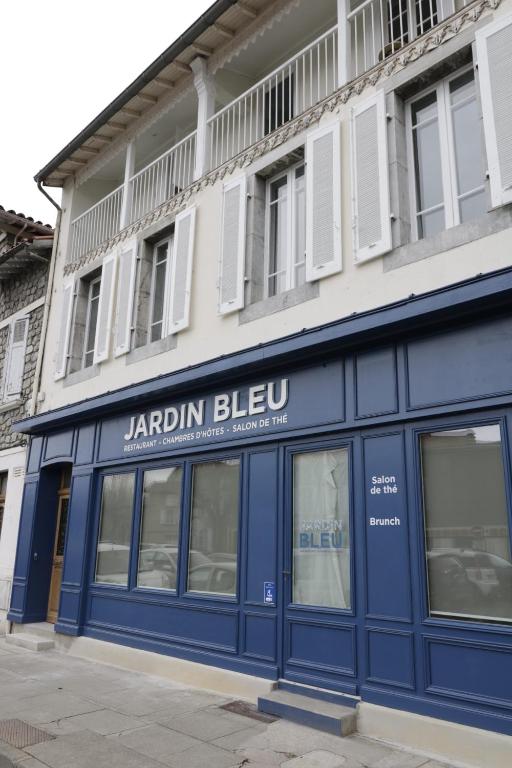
[(62, 62)]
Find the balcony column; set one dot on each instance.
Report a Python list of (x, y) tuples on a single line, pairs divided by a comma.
[(344, 43), (129, 168), (205, 87)]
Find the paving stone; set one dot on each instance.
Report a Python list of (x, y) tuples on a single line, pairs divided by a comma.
[(31, 763), (317, 759), (88, 750), (11, 753), (205, 756), (47, 707), (400, 759), (103, 721), (207, 724), (156, 742), (238, 739)]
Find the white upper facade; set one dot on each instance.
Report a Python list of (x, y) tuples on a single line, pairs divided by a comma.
[(326, 159)]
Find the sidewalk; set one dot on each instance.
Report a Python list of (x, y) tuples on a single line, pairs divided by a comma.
[(88, 715)]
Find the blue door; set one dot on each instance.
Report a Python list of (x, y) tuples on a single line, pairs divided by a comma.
[(319, 616)]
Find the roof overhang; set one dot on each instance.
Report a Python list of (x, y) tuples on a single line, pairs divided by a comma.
[(24, 256)]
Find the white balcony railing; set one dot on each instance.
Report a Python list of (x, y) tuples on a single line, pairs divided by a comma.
[(96, 225), (162, 179), (303, 81), (379, 28)]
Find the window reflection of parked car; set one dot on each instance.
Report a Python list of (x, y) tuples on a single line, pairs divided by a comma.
[(112, 563), (463, 580), (218, 578), (158, 566)]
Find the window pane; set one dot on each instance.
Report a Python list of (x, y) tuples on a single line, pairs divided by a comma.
[(427, 153), (278, 245), (467, 136), (157, 309), (473, 206), (300, 226), (321, 529), (115, 529), (430, 224), (466, 524), (212, 562), (158, 557), (94, 291)]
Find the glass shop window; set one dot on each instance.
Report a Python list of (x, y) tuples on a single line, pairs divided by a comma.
[(160, 528), (113, 554), (321, 529), (212, 560), (466, 524)]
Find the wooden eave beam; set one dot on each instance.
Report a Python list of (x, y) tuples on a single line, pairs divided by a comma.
[(102, 137), (250, 12), (182, 66), (202, 50), (91, 150), (224, 31), (76, 162), (116, 126), (130, 111), (164, 82), (147, 97)]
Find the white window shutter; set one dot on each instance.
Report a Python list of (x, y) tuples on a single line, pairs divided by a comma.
[(371, 215), (15, 360), (125, 297), (232, 259), (323, 202), (494, 52), (181, 277), (66, 313), (105, 308)]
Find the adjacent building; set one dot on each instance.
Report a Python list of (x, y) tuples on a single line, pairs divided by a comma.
[(25, 251), (275, 413)]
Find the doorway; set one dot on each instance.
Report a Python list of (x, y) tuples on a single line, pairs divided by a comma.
[(58, 548)]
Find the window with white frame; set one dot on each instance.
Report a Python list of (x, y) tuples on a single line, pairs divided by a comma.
[(161, 271), (14, 365), (446, 155), (93, 299), (286, 231)]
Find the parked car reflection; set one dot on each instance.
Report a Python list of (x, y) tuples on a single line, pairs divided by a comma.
[(215, 577), (158, 566), (471, 582)]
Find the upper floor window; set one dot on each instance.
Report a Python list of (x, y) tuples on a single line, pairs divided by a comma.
[(162, 256), (14, 359), (3, 492), (446, 155), (93, 298), (286, 231)]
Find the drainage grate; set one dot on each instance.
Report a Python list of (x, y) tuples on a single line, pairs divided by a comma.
[(248, 710), (20, 735)]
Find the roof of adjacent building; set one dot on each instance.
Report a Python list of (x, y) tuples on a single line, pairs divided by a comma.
[(28, 243), (19, 224), (209, 33)]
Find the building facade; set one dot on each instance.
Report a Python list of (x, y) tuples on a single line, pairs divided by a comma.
[(275, 403), (25, 250)]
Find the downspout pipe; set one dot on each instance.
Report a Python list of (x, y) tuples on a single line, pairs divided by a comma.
[(47, 303)]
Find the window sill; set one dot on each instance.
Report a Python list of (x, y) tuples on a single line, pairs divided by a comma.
[(152, 349), (84, 374), (279, 303), (10, 405), (492, 222)]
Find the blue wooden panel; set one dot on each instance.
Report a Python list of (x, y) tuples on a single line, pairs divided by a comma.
[(77, 529), (59, 445), (260, 636), (34, 458), (387, 558), (471, 362), (261, 523), (391, 658), (376, 382), (212, 628), (85, 445), (323, 646), (479, 672)]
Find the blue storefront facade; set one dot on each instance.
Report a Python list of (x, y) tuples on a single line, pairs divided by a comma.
[(366, 548)]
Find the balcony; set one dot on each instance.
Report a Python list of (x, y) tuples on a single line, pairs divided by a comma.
[(248, 107)]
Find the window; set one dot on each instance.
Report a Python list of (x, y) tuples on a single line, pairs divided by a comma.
[(162, 264), (14, 364), (3, 492), (212, 561), (446, 155), (159, 538), (467, 535), (93, 298), (113, 551), (286, 231), (321, 529)]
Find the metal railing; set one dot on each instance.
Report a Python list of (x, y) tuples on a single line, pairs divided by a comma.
[(96, 225), (379, 28), (303, 81), (162, 179)]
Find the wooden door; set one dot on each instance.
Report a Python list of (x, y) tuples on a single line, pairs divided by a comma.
[(58, 549)]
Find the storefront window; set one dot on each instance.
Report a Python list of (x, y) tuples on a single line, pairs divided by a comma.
[(212, 562), (115, 529), (321, 529), (158, 555), (466, 525)]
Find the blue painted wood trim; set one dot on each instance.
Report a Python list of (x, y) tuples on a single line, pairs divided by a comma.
[(493, 290)]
